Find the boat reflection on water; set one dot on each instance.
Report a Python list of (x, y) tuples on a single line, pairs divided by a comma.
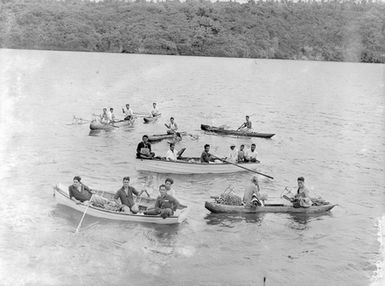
[(303, 221), (229, 219)]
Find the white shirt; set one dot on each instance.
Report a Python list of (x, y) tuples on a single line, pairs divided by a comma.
[(109, 115), (172, 156), (129, 112), (173, 126), (233, 156), (251, 155), (154, 112)]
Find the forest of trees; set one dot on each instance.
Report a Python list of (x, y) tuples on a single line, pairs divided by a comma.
[(314, 30)]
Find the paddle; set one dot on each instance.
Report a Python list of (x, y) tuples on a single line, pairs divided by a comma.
[(81, 220), (242, 167)]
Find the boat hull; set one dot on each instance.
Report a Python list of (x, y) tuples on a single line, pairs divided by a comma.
[(276, 208), (185, 167), (149, 119), (62, 198), (235, 132), (96, 125), (160, 137)]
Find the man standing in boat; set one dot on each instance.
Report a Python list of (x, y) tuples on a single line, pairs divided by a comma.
[(252, 195), (172, 127), (125, 195), (154, 111), (247, 126), (144, 149)]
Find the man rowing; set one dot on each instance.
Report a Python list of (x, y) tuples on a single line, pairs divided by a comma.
[(301, 198), (172, 154), (154, 111), (172, 127), (206, 157), (247, 126), (128, 113), (144, 149), (80, 193)]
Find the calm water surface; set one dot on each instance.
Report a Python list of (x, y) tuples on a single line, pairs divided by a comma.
[(329, 120)]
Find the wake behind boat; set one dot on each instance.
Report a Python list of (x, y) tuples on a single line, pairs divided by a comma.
[(188, 165), (235, 132), (62, 197)]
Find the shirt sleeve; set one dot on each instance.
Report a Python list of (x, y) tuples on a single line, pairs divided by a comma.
[(139, 147), (70, 192), (117, 195), (134, 191), (157, 203)]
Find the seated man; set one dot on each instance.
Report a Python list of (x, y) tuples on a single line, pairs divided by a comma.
[(206, 157), (128, 113), (172, 154), (172, 127), (302, 198), (251, 155), (125, 195), (246, 125), (241, 153), (252, 195), (154, 111), (165, 204), (80, 193), (144, 149), (233, 155)]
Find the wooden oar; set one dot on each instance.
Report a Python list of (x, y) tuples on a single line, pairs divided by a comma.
[(270, 177), (81, 220)]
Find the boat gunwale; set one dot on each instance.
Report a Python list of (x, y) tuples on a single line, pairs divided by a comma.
[(197, 163)]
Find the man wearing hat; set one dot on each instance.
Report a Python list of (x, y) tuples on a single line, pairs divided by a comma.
[(233, 155)]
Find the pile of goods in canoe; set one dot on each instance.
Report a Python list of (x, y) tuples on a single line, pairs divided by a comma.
[(228, 197)]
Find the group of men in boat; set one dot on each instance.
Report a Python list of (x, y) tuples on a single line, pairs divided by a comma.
[(165, 205), (238, 156), (108, 116)]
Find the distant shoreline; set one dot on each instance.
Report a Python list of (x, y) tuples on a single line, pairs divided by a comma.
[(329, 31)]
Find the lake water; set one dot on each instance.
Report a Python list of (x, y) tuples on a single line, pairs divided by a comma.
[(329, 120)]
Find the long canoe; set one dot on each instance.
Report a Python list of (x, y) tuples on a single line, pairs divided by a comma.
[(97, 125), (268, 208), (235, 132), (189, 166), (160, 137), (149, 119), (62, 197)]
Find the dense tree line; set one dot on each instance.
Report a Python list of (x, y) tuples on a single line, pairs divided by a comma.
[(331, 31)]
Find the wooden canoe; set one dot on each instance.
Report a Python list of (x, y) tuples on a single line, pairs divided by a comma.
[(235, 132), (62, 197), (160, 137), (189, 166), (149, 119), (97, 125), (268, 208)]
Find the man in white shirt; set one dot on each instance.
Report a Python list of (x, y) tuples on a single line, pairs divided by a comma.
[(128, 113), (109, 115), (154, 111), (233, 155), (251, 155), (172, 127), (172, 154)]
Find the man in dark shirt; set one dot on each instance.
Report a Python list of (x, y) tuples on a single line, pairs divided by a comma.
[(125, 194), (80, 193), (144, 149), (165, 204), (206, 157)]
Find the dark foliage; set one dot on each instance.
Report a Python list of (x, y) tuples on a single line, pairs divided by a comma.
[(331, 31)]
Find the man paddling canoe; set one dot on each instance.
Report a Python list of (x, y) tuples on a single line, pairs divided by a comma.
[(128, 113), (302, 197), (252, 195), (154, 111), (172, 127), (247, 126)]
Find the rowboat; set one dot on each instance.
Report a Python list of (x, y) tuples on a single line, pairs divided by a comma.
[(159, 137), (62, 198), (97, 125), (149, 119), (235, 132), (267, 208), (189, 166)]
